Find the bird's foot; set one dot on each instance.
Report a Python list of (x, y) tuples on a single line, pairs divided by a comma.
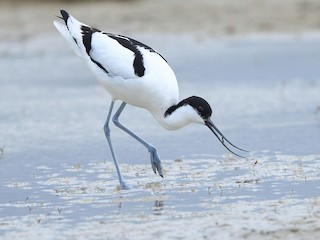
[(124, 186), (155, 161)]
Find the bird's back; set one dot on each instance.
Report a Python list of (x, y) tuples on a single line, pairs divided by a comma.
[(130, 70)]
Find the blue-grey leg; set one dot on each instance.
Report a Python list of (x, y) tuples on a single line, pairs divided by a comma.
[(106, 129), (154, 157)]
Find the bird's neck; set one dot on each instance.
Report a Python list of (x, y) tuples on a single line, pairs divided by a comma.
[(175, 117)]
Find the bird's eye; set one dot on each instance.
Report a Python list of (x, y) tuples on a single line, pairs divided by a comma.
[(200, 109)]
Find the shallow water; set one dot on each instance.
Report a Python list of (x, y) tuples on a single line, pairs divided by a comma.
[(56, 171)]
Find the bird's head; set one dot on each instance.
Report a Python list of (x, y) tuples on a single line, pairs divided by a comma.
[(197, 110)]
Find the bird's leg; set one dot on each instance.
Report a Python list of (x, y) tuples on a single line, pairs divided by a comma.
[(106, 129), (154, 157)]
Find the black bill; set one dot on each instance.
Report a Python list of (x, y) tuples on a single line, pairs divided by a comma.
[(222, 138)]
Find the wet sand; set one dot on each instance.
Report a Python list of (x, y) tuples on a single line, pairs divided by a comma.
[(257, 62), (80, 201)]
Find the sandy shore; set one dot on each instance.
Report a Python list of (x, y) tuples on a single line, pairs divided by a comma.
[(203, 18)]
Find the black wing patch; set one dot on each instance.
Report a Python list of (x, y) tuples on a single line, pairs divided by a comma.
[(65, 16), (126, 42), (138, 67), (133, 45), (86, 39)]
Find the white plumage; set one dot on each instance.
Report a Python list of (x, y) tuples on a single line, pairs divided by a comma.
[(121, 81), (135, 74)]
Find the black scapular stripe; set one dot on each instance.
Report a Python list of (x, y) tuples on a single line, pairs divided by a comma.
[(138, 66), (86, 39)]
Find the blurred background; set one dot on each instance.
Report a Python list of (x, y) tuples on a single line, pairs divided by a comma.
[(261, 47), (47, 93), (203, 18)]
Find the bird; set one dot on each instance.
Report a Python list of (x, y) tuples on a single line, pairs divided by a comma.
[(138, 75)]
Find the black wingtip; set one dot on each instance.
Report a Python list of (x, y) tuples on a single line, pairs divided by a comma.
[(64, 15)]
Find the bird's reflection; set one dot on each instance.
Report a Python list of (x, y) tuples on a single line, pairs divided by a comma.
[(120, 204), (158, 207)]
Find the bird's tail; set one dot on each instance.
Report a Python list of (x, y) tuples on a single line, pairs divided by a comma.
[(71, 31)]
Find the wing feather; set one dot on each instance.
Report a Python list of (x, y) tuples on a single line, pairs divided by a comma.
[(116, 55), (116, 59)]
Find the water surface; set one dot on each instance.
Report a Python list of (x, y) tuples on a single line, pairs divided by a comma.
[(56, 172)]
